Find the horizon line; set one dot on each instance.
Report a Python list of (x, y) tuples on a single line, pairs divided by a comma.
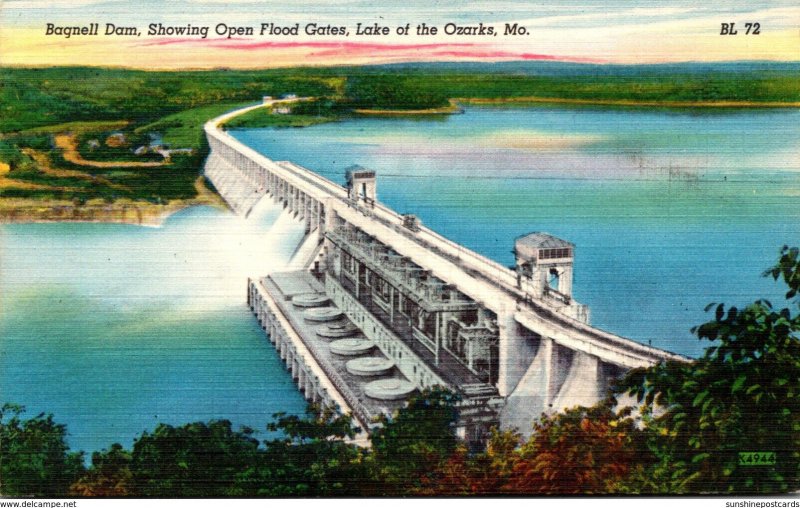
[(531, 62)]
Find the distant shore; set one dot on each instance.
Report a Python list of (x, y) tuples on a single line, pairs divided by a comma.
[(625, 102), (121, 211), (451, 108), (455, 104)]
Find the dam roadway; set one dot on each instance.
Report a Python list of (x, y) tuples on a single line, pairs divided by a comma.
[(374, 305)]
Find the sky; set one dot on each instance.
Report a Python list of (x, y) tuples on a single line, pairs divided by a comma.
[(616, 31)]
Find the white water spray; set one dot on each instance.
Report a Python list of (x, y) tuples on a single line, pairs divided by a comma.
[(255, 246)]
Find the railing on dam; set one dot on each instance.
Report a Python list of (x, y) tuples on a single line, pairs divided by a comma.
[(312, 183), (301, 178), (528, 312)]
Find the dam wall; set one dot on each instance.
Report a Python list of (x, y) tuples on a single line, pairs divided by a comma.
[(239, 193), (512, 342)]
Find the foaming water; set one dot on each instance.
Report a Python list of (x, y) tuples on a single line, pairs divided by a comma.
[(116, 328)]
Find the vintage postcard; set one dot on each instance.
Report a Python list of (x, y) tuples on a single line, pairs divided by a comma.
[(378, 249)]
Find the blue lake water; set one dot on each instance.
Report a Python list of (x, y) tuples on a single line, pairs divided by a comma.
[(669, 210), (116, 328)]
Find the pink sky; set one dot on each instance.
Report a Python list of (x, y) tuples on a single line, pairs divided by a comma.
[(612, 31)]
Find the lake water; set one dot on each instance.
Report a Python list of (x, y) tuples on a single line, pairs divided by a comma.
[(669, 210), (116, 328)]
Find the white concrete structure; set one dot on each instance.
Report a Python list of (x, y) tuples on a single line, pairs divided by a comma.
[(443, 314)]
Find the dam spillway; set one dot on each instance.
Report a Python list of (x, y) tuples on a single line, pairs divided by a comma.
[(513, 343)]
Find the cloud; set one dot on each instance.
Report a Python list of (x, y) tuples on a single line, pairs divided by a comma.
[(658, 11), (573, 30), (262, 2), (624, 24), (331, 49), (51, 4), (637, 14)]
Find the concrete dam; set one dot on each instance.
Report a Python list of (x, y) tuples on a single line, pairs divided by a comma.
[(374, 306)]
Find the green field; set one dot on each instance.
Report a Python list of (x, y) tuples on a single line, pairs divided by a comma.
[(260, 118), (301, 114), (38, 97), (185, 129)]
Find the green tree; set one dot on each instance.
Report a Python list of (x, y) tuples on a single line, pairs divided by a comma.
[(312, 459), (109, 476), (408, 448), (34, 456), (743, 395), (393, 92), (195, 460)]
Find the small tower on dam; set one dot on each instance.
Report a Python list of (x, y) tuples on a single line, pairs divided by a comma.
[(361, 184), (544, 266), (373, 306)]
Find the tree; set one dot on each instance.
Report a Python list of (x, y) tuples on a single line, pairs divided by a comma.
[(482, 474), (415, 442), (313, 459), (109, 476), (580, 451), (742, 395), (195, 460), (393, 92), (34, 456)]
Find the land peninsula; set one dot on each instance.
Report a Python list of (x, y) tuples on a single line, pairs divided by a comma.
[(116, 145)]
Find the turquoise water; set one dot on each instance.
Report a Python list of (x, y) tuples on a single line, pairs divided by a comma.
[(669, 210), (116, 328)]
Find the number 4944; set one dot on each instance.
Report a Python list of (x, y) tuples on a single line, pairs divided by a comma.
[(757, 458)]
